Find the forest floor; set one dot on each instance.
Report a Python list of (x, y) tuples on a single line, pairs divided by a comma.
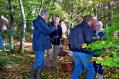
[(14, 65), (18, 67)]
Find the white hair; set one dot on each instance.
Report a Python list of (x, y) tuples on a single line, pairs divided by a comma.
[(101, 25), (44, 12)]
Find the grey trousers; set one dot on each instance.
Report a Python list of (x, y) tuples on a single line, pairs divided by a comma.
[(52, 56)]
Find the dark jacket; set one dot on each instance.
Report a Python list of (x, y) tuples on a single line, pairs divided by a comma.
[(79, 35), (56, 35), (41, 39)]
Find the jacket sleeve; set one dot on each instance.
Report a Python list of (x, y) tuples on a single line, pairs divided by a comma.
[(88, 34), (61, 32), (43, 27)]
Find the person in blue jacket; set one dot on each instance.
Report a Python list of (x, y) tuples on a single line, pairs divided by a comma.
[(40, 42), (98, 67), (80, 36)]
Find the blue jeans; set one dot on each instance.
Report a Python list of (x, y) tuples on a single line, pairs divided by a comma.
[(81, 59), (39, 60), (98, 68)]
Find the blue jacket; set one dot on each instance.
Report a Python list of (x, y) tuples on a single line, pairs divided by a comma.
[(41, 39), (79, 35)]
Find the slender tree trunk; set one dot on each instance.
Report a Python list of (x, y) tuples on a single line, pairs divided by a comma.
[(54, 2), (41, 4), (110, 13), (23, 26), (11, 23), (94, 10)]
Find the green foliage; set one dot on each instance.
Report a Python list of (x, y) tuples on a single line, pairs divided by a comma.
[(111, 61), (3, 61), (111, 42), (68, 10), (8, 59)]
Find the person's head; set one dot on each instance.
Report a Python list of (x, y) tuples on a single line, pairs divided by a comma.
[(61, 21), (94, 22), (88, 19), (44, 14), (99, 25), (56, 19), (94, 18)]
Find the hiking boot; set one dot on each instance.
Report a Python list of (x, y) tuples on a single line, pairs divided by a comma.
[(32, 73), (37, 75)]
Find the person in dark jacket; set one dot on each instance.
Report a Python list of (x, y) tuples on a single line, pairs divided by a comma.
[(40, 42), (80, 36), (56, 41), (56, 35)]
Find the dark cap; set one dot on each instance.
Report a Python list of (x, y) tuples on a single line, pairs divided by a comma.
[(87, 18)]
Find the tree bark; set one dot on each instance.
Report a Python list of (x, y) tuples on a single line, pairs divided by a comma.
[(23, 26), (110, 13), (54, 2)]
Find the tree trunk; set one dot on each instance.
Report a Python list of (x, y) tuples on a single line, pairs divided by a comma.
[(42, 1), (54, 2), (11, 23), (110, 13), (94, 10), (23, 26)]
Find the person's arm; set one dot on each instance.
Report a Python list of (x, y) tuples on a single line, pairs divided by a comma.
[(43, 27), (88, 34), (60, 32)]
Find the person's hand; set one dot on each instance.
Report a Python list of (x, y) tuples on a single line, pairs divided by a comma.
[(62, 53), (70, 53), (94, 59)]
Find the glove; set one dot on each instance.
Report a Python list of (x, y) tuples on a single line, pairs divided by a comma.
[(101, 34)]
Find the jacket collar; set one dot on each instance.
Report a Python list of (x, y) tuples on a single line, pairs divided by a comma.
[(54, 24), (41, 18)]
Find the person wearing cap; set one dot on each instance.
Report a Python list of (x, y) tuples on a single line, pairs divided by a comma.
[(40, 42), (80, 36)]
